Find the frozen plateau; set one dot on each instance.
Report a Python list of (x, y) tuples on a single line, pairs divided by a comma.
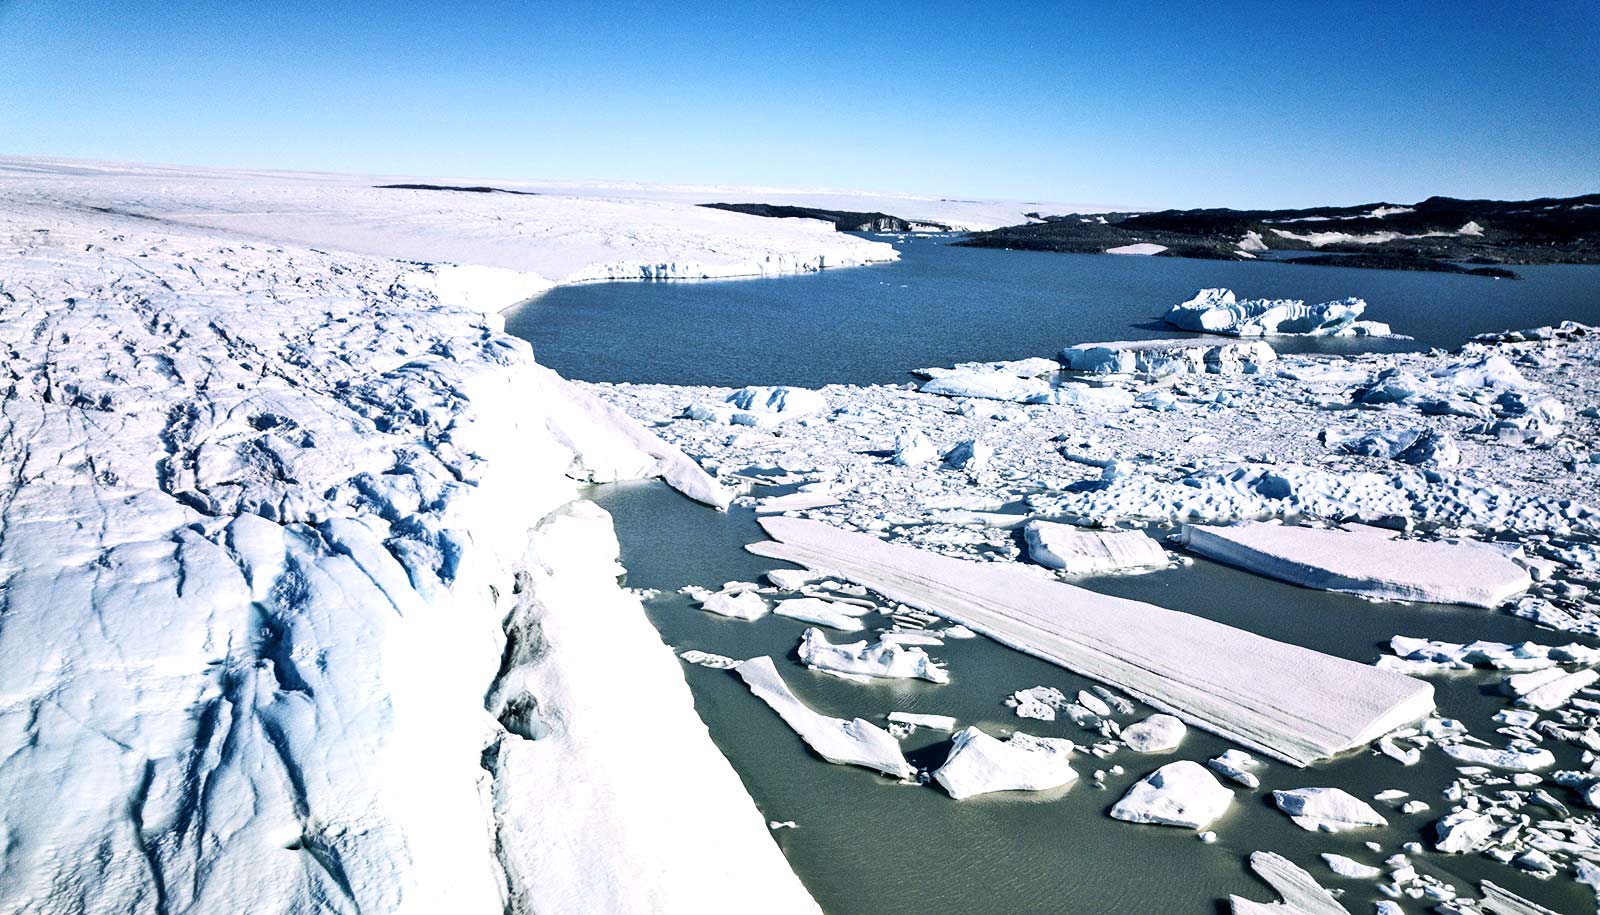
[(302, 607), (300, 610)]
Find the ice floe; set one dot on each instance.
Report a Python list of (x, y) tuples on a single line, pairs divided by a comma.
[(1327, 809), (1179, 793), (980, 764), (830, 613), (1156, 734), (1360, 560), (881, 659), (856, 742), (1302, 894), (1290, 702)]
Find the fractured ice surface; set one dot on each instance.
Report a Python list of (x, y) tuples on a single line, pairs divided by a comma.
[(761, 407)]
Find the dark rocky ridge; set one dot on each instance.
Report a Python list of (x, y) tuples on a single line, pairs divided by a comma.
[(475, 189), (843, 220), (1542, 231)]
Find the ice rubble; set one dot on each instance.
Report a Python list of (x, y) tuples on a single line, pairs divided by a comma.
[(1179, 793), (885, 659), (857, 742), (1360, 560), (760, 407), (1327, 809), (1169, 357), (1077, 551), (1218, 311), (1290, 702), (294, 614), (981, 764)]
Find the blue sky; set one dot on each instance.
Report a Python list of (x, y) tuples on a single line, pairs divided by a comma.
[(1272, 104)]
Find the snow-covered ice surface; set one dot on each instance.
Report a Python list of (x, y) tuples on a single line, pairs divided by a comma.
[(299, 613), (1179, 793), (1361, 560)]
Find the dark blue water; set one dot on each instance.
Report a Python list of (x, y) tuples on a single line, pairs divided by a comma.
[(941, 304)]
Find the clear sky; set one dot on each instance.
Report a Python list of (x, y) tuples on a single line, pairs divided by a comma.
[(1174, 104)]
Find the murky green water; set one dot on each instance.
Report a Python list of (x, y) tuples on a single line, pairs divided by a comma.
[(867, 845)]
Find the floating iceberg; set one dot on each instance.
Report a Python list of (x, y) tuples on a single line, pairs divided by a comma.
[(1293, 703), (857, 742), (1235, 765), (1078, 551), (882, 659), (1421, 447), (1548, 689), (734, 603), (1179, 793), (1218, 311), (1156, 734), (1512, 759), (1365, 561), (1327, 809), (979, 764), (830, 613)]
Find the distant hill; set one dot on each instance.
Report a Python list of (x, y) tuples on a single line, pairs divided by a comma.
[(843, 220), (1440, 233)]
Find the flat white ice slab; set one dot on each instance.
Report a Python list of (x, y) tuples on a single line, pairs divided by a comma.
[(857, 742), (822, 612), (1289, 702), (1302, 894), (1364, 561)]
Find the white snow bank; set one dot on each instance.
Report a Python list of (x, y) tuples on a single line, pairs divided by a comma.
[(980, 764), (1361, 560), (1139, 248), (1079, 551), (857, 742)]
